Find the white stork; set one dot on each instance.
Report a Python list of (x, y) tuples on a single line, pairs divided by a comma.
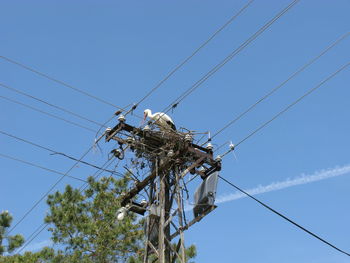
[(160, 118)]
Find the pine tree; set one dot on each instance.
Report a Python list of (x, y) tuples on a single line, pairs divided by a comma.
[(8, 243), (84, 225)]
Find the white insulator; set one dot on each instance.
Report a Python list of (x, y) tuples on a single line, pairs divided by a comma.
[(130, 140), (232, 146), (108, 130), (143, 203), (146, 128), (209, 146), (188, 138), (121, 118), (121, 213), (170, 153), (218, 158), (120, 216)]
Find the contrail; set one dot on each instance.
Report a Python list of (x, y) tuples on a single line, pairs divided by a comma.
[(300, 180)]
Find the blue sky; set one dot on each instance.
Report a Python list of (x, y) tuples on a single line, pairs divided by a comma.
[(119, 50)]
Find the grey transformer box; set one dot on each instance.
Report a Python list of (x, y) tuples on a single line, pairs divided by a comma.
[(204, 197)]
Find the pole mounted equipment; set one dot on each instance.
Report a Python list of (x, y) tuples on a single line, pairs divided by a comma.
[(170, 155)]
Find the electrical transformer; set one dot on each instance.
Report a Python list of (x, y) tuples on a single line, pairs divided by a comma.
[(204, 197)]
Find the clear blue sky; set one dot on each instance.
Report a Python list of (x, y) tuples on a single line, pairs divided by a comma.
[(118, 50)]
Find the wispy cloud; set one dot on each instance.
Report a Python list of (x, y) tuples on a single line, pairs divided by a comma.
[(300, 180)]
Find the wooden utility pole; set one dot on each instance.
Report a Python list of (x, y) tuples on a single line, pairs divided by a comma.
[(171, 155)]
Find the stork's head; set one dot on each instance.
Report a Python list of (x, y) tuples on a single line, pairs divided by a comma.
[(146, 113)]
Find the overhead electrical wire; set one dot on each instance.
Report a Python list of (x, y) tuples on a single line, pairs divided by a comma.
[(188, 92), (286, 108), (206, 76), (29, 238), (49, 191), (284, 217), (309, 63), (54, 185), (60, 179), (34, 234), (53, 152), (196, 51), (60, 82), (47, 113), (191, 89), (180, 65), (49, 104), (262, 126), (38, 166), (43, 226), (142, 99), (295, 102)]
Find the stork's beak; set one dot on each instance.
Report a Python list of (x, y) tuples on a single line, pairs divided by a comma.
[(144, 118)]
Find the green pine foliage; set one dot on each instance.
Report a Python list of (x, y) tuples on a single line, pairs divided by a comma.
[(8, 244), (83, 224)]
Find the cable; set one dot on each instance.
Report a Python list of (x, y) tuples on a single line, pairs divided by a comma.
[(53, 152), (46, 113), (284, 217), (60, 179), (295, 102), (30, 239), (175, 103), (49, 104), (196, 51), (26, 141), (43, 226), (281, 85), (60, 82), (38, 166), (92, 165), (285, 109), (186, 93), (48, 192)]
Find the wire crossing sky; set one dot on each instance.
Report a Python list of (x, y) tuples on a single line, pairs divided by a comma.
[(112, 54), (285, 217)]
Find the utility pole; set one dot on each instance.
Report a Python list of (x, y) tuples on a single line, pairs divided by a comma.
[(170, 155)]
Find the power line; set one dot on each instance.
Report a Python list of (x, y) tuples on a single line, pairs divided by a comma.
[(42, 227), (189, 57), (34, 234), (284, 217), (49, 104), (295, 102), (27, 141), (47, 113), (92, 165), (288, 107), (53, 152), (48, 192), (282, 84), (30, 239), (54, 185), (38, 166), (60, 82), (196, 51), (229, 57)]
